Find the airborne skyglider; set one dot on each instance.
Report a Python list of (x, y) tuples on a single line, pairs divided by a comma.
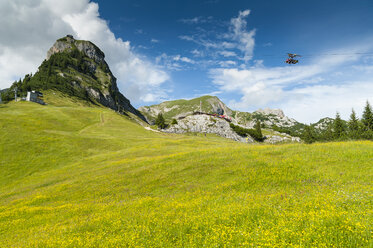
[(291, 59)]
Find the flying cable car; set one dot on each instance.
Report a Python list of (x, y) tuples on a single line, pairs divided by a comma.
[(291, 59)]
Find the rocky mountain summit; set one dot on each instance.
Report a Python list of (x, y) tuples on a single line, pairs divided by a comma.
[(78, 68), (68, 43)]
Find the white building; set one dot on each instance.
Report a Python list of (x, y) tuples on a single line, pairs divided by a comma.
[(35, 96)]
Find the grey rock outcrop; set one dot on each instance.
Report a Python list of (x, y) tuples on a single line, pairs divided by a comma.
[(323, 124), (281, 138), (206, 124), (268, 111), (274, 117)]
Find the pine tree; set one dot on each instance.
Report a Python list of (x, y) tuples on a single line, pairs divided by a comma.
[(308, 135), (353, 125), (160, 122), (367, 118), (339, 128), (258, 130), (327, 134)]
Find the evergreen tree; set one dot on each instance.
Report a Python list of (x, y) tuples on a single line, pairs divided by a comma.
[(160, 122), (367, 118), (174, 122), (339, 128), (327, 134), (353, 126), (258, 130), (308, 135)]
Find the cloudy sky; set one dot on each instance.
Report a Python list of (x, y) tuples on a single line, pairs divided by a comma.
[(234, 49)]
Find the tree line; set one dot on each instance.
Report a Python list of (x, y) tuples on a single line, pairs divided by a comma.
[(338, 130)]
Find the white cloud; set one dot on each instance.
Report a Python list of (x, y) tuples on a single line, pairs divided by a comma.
[(197, 53), (183, 59), (227, 63), (194, 20), (29, 29), (228, 53), (236, 41), (313, 102), (244, 38), (304, 92), (154, 41), (197, 20), (186, 37), (175, 62)]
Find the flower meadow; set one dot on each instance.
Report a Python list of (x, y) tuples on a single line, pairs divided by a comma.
[(79, 176)]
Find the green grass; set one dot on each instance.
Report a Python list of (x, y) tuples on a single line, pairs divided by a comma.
[(78, 176)]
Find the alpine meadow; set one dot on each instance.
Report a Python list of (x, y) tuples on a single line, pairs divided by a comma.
[(81, 176), (208, 123)]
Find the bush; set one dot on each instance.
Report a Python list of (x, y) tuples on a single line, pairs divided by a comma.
[(244, 132), (160, 122)]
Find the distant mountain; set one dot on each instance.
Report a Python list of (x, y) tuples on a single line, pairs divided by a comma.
[(181, 108), (186, 113), (78, 68), (323, 124), (213, 105)]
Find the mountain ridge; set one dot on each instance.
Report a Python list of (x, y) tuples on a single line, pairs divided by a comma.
[(213, 105)]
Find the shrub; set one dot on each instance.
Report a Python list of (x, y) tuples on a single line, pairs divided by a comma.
[(244, 132)]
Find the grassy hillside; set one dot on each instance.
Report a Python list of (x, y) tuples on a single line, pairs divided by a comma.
[(74, 175)]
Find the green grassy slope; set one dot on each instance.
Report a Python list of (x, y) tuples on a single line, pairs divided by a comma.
[(79, 176)]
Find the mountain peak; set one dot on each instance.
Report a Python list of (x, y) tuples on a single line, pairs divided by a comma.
[(268, 111), (78, 68), (68, 44)]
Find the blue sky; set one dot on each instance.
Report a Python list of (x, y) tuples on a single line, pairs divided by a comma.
[(164, 50)]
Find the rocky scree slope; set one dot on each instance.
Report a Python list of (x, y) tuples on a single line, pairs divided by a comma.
[(78, 68)]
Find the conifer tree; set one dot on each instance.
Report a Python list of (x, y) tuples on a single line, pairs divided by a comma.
[(367, 118), (258, 130), (339, 128), (327, 134), (353, 125), (308, 135), (160, 122)]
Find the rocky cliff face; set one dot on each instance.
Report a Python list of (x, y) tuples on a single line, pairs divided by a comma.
[(82, 69)]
